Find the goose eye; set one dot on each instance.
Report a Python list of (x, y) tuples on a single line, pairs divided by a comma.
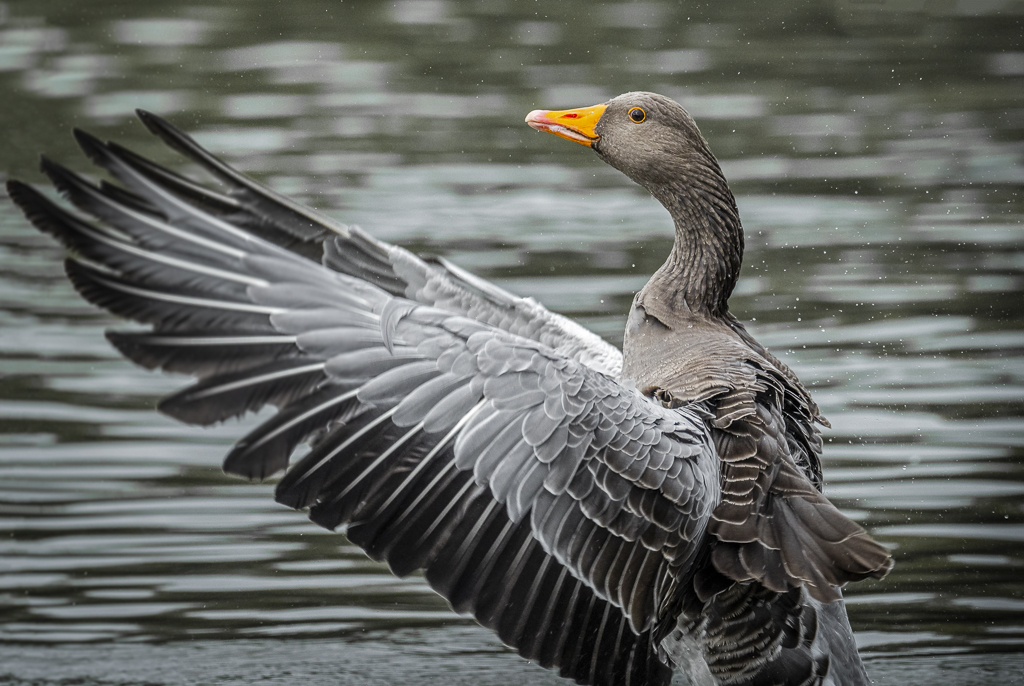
[(637, 115)]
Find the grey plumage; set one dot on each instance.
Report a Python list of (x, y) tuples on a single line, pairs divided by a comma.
[(594, 521)]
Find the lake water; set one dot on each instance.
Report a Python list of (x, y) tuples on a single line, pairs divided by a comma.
[(876, 148)]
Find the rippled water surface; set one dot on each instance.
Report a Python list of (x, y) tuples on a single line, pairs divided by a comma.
[(877, 153)]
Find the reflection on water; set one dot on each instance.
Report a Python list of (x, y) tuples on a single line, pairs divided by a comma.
[(878, 155)]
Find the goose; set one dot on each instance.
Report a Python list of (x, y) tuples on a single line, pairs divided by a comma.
[(618, 516)]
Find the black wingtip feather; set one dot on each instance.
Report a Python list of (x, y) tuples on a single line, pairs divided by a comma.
[(160, 127), (38, 209), (180, 141), (12, 185), (128, 344), (22, 195), (155, 123), (92, 146), (67, 182), (51, 168), (41, 212), (145, 116)]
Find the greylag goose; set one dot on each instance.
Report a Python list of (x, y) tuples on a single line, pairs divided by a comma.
[(617, 517)]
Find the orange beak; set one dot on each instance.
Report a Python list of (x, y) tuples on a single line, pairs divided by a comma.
[(574, 125)]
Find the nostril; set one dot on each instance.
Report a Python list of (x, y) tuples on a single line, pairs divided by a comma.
[(570, 115)]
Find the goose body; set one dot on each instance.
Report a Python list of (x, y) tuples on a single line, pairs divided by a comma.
[(616, 516)]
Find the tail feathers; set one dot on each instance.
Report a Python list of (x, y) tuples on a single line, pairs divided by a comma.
[(798, 541)]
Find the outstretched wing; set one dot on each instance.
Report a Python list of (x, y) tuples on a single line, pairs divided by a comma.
[(448, 434), (346, 249)]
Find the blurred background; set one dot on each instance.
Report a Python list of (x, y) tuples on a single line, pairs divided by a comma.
[(876, 148)]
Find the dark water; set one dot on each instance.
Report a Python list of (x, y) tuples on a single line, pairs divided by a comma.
[(877, 152)]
